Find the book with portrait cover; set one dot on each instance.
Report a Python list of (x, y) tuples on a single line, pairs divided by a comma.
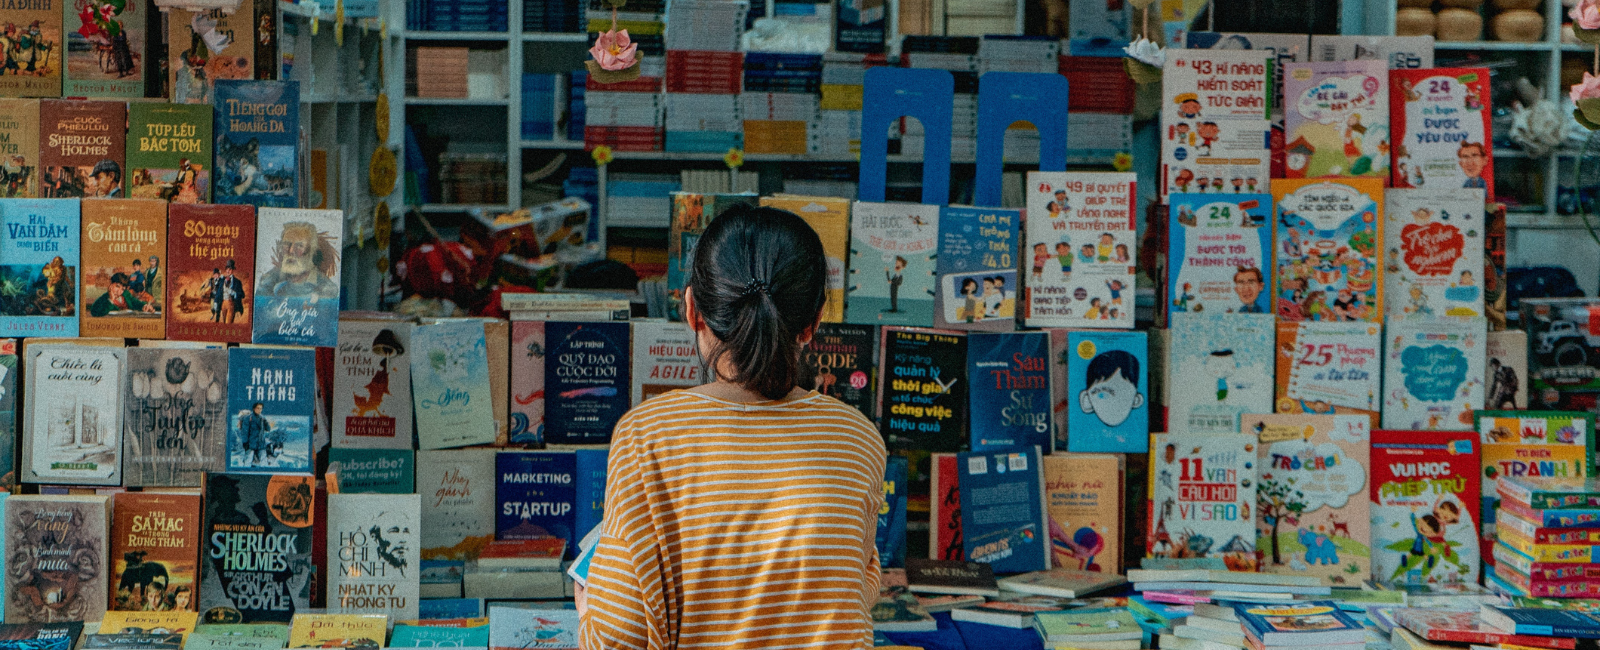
[(1329, 238), (176, 426), (1083, 496), (922, 392), (830, 217), (977, 269), (34, 60), (536, 495), (81, 148), (665, 358), (1434, 249), (1081, 249), (1009, 400), (372, 383), (124, 255), (1312, 505), (587, 378), (271, 403), (450, 384), (297, 276), (155, 540), (39, 251), (72, 415), (1108, 392), (256, 552), (1220, 251), (211, 250), (1506, 377), (1220, 366), (104, 48), (257, 127), (169, 152), (526, 425), (372, 541), (1330, 368), (842, 360), (1433, 373), (57, 532), (1442, 134), (1202, 492), (891, 268), (1425, 506), (458, 501), (19, 142)]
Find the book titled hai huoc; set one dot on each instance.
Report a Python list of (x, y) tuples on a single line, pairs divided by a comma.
[(891, 269), (271, 404), (39, 252), (257, 127), (211, 250), (297, 276), (124, 255), (256, 553)]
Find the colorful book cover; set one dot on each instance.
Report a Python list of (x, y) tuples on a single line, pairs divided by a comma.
[(81, 148), (1082, 246), (1506, 377), (256, 554), (1336, 120), (1467, 627), (1219, 249), (1220, 367), (590, 481), (9, 369), (1304, 624), (333, 630), (922, 392), (159, 622), (1328, 256), (1083, 496), (72, 415), (1329, 368), (691, 214), (1434, 248), (211, 253), (372, 384), (842, 362), (830, 217), (891, 539), (450, 384), (944, 508), (169, 152), (892, 273), (1003, 516), (1425, 506), (1433, 373), (1312, 505), (62, 576), (977, 269), (1201, 489), (1108, 392), (514, 628), (665, 358), (39, 246), (527, 383), (297, 276), (271, 399), (1060, 393), (155, 539), (1010, 394), (371, 538), (205, 47), (1216, 121), (535, 496), (427, 636), (19, 146), (257, 127), (266, 631), (104, 49), (374, 471), (1528, 443), (36, 45), (1442, 137), (176, 423), (1284, 48), (587, 380), (124, 249)]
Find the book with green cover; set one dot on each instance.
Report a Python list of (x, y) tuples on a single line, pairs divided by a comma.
[(1087, 625), (275, 634), (169, 152)]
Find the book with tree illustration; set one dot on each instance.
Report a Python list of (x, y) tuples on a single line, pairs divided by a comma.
[(1312, 506)]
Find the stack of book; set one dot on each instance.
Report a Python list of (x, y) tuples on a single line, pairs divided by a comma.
[(1451, 626), (551, 15), (1534, 616), (577, 110), (837, 131), (463, 15), (626, 116), (470, 177), (1547, 531), (441, 72), (776, 122), (782, 72), (702, 108), (959, 55), (706, 25), (1022, 596), (1005, 53), (899, 610), (524, 568), (1318, 623), (1100, 628), (1192, 586), (539, 106), (1212, 626)]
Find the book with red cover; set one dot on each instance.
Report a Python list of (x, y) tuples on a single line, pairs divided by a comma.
[(123, 268), (155, 534), (523, 553), (944, 509), (1439, 114), (1425, 506), (1468, 627), (211, 254)]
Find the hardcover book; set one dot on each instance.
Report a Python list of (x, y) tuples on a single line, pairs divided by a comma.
[(257, 127), (515, 628), (256, 554), (372, 384), (124, 247), (944, 508), (1442, 136), (177, 419), (337, 630), (271, 399), (72, 415), (81, 148), (1201, 489), (1108, 392), (1336, 120), (1003, 518), (527, 383), (1010, 394), (891, 539), (842, 362), (450, 384), (1528, 444), (1433, 373), (830, 217), (155, 538), (1082, 245), (374, 471), (169, 152), (1313, 512), (105, 50), (458, 502), (535, 496), (39, 249), (19, 141), (977, 269), (1083, 496), (1220, 367), (1328, 255), (891, 269), (297, 276), (211, 251), (1216, 121), (1220, 252), (1425, 507), (1506, 377), (587, 380), (1329, 368), (922, 392), (371, 541), (665, 357), (53, 530), (34, 60), (205, 47), (590, 480), (1434, 245), (9, 370)]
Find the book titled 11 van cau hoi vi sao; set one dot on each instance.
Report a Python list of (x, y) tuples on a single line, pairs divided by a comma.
[(1201, 496)]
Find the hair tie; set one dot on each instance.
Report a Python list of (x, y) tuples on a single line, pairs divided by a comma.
[(754, 286)]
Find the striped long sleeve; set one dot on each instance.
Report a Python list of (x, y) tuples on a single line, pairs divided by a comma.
[(736, 526)]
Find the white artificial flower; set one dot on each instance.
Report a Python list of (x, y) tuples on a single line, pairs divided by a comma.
[(1146, 51)]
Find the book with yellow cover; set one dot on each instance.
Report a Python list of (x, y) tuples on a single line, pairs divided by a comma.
[(338, 630), (169, 622), (830, 217), (124, 249)]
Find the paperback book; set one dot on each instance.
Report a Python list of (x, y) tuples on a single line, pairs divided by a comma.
[(591, 490), (1468, 627), (951, 577), (34, 65), (1201, 489), (891, 269), (169, 152), (154, 540), (526, 425), (515, 628), (1219, 248), (297, 276), (374, 471), (177, 419), (370, 542), (82, 145), (1084, 502), (1003, 517), (1434, 245), (72, 415), (458, 502), (257, 127), (841, 361), (944, 508), (1082, 243), (19, 139), (450, 384), (39, 250), (1328, 256), (1329, 368), (50, 528), (587, 378), (1216, 123), (271, 403), (1220, 367), (922, 393), (1312, 500), (891, 539), (372, 400), (1433, 373), (830, 217), (1425, 507), (9, 370), (1107, 392), (665, 358), (180, 622), (977, 269), (211, 253), (1010, 395), (1317, 622), (535, 496), (256, 555), (1506, 377), (337, 630), (1336, 119), (691, 214), (1442, 134), (124, 248), (207, 46)]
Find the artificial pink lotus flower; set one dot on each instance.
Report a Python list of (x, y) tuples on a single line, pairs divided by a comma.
[(613, 50), (1589, 89), (1586, 14)]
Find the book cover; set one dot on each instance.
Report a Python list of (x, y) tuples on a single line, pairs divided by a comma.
[(1084, 497), (1010, 394), (1551, 492), (371, 541), (1060, 395), (207, 46), (1433, 373), (57, 569), (333, 630), (39, 249), (691, 214), (1434, 248), (271, 399), (256, 554), (944, 508), (1309, 623), (297, 276), (899, 610), (842, 362), (1528, 444), (830, 217), (1425, 506), (1108, 392), (430, 636), (1201, 494), (527, 383), (891, 270), (497, 347), (1219, 249), (155, 540), (1336, 120), (257, 127), (977, 269), (265, 631), (949, 577), (374, 471), (665, 358), (1543, 622), (535, 496), (123, 248), (19, 143), (104, 49), (922, 391), (211, 253), (1284, 48), (36, 45), (1003, 517), (1220, 367), (587, 380), (1216, 121), (81, 148), (458, 502), (1082, 245), (179, 622), (169, 152), (9, 369), (891, 539), (515, 628), (72, 415), (1087, 625), (1506, 377), (1313, 514), (590, 482), (1442, 136), (1467, 627), (1329, 368), (372, 384), (176, 426), (450, 384), (1328, 255)]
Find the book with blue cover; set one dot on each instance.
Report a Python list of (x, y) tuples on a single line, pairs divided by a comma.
[(1219, 367), (1542, 622), (39, 255), (1108, 392), (1220, 252), (586, 381), (590, 479), (1010, 393), (534, 494), (977, 269), (450, 384), (297, 277), (271, 405), (436, 608), (374, 471), (429, 636), (1316, 622), (257, 127), (1003, 510), (892, 516)]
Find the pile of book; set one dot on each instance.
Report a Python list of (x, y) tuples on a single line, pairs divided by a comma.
[(539, 113), (1425, 629), (776, 122), (626, 116), (970, 593), (702, 107), (959, 55), (459, 15), (551, 16), (781, 72), (1547, 531), (1194, 586), (704, 25), (838, 125), (529, 568), (440, 71)]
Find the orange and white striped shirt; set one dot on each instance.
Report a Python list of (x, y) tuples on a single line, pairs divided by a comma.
[(738, 525)]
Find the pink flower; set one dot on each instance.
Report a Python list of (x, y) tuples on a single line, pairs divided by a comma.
[(614, 51), (1586, 14), (1589, 89)]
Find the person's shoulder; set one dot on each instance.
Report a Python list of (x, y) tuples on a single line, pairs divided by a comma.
[(847, 415)]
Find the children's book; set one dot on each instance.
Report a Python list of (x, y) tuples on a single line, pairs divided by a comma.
[(1285, 49), (891, 268), (337, 630), (842, 361), (1220, 367), (207, 46), (536, 496), (370, 539), (450, 384), (1506, 377), (1469, 627), (830, 217), (1336, 120), (39, 251), (1425, 507), (515, 628), (1215, 121), (458, 504), (665, 358), (81, 148), (1311, 623), (1010, 395), (1329, 368), (944, 508), (1518, 444), (898, 610), (72, 415), (1087, 625), (1401, 52), (372, 401), (587, 378), (691, 214), (124, 253), (1108, 392), (1082, 247), (426, 636), (1329, 256), (1433, 373), (37, 50), (1434, 247), (19, 130), (891, 538), (1442, 135), (1551, 492), (155, 538), (211, 253), (256, 555), (1219, 250), (43, 531), (923, 388), (1542, 622), (977, 269), (9, 400), (297, 276), (374, 471), (169, 152), (1563, 354), (1201, 491), (527, 383), (1084, 499), (257, 127), (1312, 499), (1003, 518)]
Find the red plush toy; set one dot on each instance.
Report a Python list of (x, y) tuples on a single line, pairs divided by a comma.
[(441, 270)]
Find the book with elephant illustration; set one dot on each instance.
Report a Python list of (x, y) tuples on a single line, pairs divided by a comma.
[(155, 538), (1425, 506), (1312, 508)]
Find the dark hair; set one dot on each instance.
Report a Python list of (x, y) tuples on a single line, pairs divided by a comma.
[(111, 167), (119, 278), (1107, 364), (999, 281), (969, 282), (759, 280)]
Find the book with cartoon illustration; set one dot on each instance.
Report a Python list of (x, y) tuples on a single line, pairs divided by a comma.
[(587, 379), (1108, 392), (1312, 504), (1328, 255), (1202, 498), (211, 253), (515, 628), (527, 383), (169, 152), (842, 360), (36, 50), (72, 420), (256, 551), (43, 533), (1433, 373), (1434, 248), (271, 405), (1528, 444), (830, 217), (1442, 135), (1216, 110), (1330, 368), (1336, 119), (450, 384), (891, 274), (977, 268), (81, 149), (1083, 496), (177, 419), (337, 630), (1425, 506), (927, 409), (19, 130), (691, 214), (371, 545), (105, 49), (124, 254), (39, 262), (1080, 250), (372, 383), (1010, 393), (204, 47), (1220, 367), (297, 276), (155, 539), (1219, 248)]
